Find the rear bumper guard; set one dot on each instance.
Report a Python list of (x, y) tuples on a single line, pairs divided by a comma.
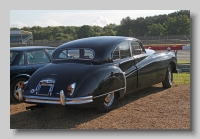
[(50, 100)]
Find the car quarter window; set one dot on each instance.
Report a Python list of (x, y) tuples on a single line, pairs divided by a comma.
[(122, 51), (136, 48), (34, 57)]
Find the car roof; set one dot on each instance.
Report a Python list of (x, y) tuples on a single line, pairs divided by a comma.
[(95, 42), (27, 48), (102, 45)]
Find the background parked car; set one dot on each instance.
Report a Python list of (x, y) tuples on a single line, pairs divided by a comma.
[(24, 61)]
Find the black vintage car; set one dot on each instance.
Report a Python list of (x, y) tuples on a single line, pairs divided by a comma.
[(97, 71), (24, 61)]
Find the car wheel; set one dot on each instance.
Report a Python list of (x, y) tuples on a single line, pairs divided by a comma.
[(109, 103), (167, 83), (13, 89)]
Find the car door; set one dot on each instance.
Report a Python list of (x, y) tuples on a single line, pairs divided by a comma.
[(35, 60), (145, 64), (123, 58)]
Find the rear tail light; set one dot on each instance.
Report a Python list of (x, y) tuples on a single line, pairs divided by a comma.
[(71, 88)]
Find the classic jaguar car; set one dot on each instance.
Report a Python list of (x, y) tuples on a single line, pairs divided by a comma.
[(97, 71), (24, 61)]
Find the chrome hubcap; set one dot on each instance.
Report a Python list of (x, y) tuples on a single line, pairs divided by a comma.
[(17, 86), (109, 99)]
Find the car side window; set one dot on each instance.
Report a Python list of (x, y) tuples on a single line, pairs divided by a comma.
[(21, 62), (50, 51), (13, 55), (136, 48), (122, 51), (34, 57)]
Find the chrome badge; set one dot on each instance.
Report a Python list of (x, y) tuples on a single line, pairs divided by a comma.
[(32, 90)]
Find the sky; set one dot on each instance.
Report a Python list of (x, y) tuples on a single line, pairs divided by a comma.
[(44, 18)]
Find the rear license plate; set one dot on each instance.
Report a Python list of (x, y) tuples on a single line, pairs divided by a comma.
[(45, 87), (44, 90)]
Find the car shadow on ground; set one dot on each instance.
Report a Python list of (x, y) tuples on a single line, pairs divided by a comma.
[(59, 117), (140, 94)]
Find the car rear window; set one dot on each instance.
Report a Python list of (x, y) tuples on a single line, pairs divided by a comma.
[(75, 54)]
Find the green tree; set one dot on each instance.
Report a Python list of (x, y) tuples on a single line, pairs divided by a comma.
[(97, 30), (109, 33), (113, 27), (125, 28), (155, 30), (50, 38), (177, 25), (85, 31)]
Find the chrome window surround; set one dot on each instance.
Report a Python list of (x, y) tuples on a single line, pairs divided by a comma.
[(130, 49), (75, 49)]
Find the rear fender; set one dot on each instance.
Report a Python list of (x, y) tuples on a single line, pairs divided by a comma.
[(99, 82)]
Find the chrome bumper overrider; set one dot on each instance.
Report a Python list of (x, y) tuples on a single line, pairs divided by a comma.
[(50, 100)]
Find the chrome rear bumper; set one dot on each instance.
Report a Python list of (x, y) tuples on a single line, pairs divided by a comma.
[(51, 100)]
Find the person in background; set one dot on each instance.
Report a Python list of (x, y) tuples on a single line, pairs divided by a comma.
[(168, 48)]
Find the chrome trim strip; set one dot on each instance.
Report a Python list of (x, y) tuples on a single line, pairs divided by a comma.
[(131, 50), (61, 100), (42, 101), (138, 68), (42, 98), (130, 73), (108, 93)]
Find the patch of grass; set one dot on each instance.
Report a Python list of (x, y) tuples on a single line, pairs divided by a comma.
[(183, 61), (181, 78)]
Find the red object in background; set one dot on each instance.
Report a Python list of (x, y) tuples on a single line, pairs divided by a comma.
[(174, 47)]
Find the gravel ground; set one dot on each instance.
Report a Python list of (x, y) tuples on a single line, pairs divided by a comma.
[(150, 108)]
